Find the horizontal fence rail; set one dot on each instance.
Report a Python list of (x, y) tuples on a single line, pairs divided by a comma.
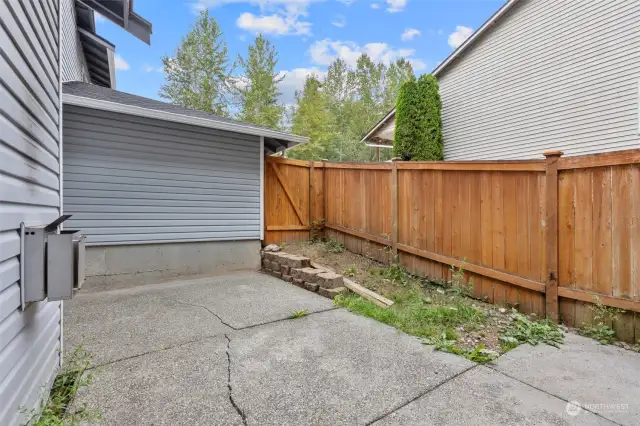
[(549, 237)]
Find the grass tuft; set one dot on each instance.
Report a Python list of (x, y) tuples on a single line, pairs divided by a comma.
[(299, 314), (58, 409), (414, 315)]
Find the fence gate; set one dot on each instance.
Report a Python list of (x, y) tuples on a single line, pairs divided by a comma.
[(288, 206)]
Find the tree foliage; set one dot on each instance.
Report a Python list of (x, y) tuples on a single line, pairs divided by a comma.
[(197, 75), (334, 110), (418, 133), (355, 100), (257, 89)]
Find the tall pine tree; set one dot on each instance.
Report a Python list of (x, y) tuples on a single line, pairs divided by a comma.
[(257, 90), (197, 76)]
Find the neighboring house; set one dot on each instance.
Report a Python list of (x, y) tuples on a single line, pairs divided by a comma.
[(540, 75)]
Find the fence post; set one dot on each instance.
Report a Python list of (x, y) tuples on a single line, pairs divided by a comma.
[(311, 203), (551, 245), (394, 211), (324, 196)]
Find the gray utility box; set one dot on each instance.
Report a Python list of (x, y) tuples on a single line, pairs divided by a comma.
[(53, 263), (65, 264)]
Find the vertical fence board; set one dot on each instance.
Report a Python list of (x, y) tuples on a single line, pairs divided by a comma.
[(510, 211), (486, 211), (566, 234), (498, 238), (602, 266)]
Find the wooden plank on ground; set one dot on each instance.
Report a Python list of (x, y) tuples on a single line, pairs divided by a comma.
[(379, 300)]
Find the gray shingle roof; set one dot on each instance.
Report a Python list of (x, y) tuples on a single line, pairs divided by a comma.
[(91, 91)]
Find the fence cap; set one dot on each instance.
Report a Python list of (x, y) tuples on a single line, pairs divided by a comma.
[(553, 153)]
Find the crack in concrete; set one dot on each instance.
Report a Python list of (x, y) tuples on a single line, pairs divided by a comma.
[(209, 310), (551, 394), (233, 402), (404, 404), (285, 319)]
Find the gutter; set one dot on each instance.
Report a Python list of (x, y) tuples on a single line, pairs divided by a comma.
[(179, 118)]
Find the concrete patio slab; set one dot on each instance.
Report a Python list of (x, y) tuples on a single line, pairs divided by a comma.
[(184, 385), (124, 323), (248, 298), (482, 396), (331, 368), (606, 378)]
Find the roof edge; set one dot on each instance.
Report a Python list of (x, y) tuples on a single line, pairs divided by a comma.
[(469, 41), (179, 118), (452, 57)]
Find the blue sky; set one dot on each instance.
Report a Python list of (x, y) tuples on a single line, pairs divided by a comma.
[(308, 34)]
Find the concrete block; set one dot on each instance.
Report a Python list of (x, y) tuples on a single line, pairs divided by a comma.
[(286, 277), (307, 274), (332, 292), (330, 280), (311, 286), (295, 261), (285, 269), (298, 282), (271, 256), (276, 274)]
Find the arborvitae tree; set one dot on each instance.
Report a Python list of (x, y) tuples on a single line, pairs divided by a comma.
[(418, 121), (197, 76), (258, 91)]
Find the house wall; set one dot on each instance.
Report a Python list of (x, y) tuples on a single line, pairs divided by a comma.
[(549, 75), (73, 66), (29, 192), (145, 185)]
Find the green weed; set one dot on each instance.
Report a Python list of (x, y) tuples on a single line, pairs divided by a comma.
[(351, 271), (58, 410), (457, 285), (332, 246), (525, 330), (298, 314), (602, 316)]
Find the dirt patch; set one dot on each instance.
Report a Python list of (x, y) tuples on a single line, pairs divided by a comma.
[(466, 333)]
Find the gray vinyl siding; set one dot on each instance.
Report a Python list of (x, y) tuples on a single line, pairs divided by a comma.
[(73, 67), (29, 192), (549, 75), (131, 180)]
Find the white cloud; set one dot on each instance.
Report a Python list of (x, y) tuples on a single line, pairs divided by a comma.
[(120, 63), (375, 6), (273, 24), (323, 52), (279, 17), (99, 18), (340, 21), (410, 33), (150, 68), (458, 37), (347, 2), (418, 64), (396, 5), (294, 80)]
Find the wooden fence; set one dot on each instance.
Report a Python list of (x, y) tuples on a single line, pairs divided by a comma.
[(547, 236)]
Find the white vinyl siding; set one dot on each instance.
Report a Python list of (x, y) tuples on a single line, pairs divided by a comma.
[(29, 192), (132, 180), (73, 67), (549, 75)]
